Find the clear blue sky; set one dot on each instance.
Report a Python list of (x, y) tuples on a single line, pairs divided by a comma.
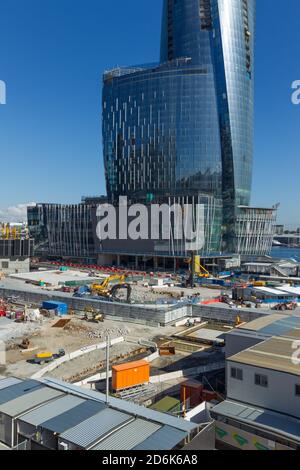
[(53, 53)]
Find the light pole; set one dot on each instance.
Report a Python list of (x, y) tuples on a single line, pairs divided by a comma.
[(107, 367)]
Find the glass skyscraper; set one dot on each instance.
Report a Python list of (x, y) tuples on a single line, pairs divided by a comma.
[(184, 127)]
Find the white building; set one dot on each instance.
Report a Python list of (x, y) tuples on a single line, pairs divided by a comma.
[(262, 409)]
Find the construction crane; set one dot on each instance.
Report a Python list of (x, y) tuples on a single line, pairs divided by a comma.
[(196, 269), (196, 265)]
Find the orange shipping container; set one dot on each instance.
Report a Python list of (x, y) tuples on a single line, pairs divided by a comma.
[(130, 374)]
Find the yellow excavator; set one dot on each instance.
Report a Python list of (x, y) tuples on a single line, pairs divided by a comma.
[(105, 290)]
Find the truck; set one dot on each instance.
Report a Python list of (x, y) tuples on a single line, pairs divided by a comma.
[(47, 356)]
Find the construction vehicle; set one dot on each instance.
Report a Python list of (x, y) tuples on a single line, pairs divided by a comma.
[(96, 317), (259, 284), (46, 357), (25, 344), (285, 306), (103, 289)]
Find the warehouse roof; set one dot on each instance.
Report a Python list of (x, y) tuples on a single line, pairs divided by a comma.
[(83, 417), (270, 325), (291, 290), (29, 401), (262, 322), (93, 429), (269, 290), (260, 418), (71, 418), (18, 390), (165, 438), (4, 383), (129, 436), (54, 408), (274, 354), (124, 406), (280, 327)]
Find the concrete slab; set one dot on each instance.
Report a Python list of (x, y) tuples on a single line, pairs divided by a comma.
[(55, 277)]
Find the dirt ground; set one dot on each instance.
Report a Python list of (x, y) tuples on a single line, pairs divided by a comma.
[(75, 335)]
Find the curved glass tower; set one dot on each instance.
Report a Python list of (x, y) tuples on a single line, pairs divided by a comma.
[(184, 127)]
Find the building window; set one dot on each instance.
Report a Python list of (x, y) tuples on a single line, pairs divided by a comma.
[(261, 380), (5, 264), (236, 373), (297, 390)]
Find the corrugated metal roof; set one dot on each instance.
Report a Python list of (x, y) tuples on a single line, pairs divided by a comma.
[(259, 323), (29, 401), (4, 383), (73, 417), (291, 290), (143, 412), (282, 424), (20, 389), (269, 290), (165, 438), (281, 326), (125, 406), (96, 427), (129, 436), (52, 409)]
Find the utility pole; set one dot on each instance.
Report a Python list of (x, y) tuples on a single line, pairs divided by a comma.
[(107, 367)]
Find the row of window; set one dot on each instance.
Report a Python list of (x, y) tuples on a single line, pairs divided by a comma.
[(259, 379)]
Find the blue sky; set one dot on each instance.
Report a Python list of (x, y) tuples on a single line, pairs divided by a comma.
[(53, 53)]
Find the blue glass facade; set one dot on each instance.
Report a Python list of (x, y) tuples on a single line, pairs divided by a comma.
[(184, 127)]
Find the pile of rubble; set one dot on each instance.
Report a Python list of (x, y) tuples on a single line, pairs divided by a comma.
[(113, 332)]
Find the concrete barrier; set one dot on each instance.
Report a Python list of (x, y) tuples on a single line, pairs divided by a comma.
[(156, 379), (69, 357), (124, 312), (102, 375), (146, 315), (152, 357), (227, 315)]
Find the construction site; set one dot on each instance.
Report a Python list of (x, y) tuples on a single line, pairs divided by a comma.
[(153, 339), (56, 322)]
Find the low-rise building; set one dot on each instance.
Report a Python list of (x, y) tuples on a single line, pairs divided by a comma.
[(262, 408), (259, 330), (15, 255), (50, 414)]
